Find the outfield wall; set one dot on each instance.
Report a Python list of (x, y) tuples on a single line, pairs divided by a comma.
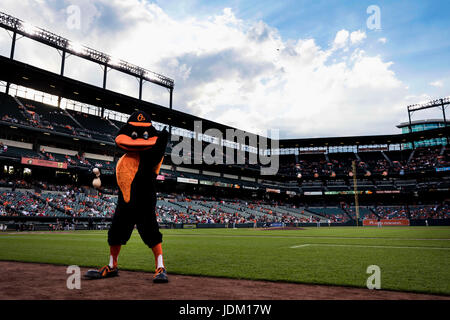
[(46, 223)]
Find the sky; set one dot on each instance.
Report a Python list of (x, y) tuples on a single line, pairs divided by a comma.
[(308, 68)]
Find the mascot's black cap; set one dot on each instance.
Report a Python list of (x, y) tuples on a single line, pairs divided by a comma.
[(139, 119)]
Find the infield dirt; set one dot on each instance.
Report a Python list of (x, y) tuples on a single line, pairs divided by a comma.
[(32, 281)]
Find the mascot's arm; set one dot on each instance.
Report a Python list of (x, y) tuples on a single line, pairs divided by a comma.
[(158, 166), (162, 144), (157, 152)]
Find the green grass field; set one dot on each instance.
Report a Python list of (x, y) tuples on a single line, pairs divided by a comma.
[(410, 258)]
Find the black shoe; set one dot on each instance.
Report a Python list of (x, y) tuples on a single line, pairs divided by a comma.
[(104, 272), (160, 276)]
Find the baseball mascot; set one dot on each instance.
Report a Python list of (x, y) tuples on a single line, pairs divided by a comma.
[(136, 173)]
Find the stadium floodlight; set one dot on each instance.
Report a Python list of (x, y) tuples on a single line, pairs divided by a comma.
[(29, 28), (113, 61), (76, 47), (430, 104), (19, 27)]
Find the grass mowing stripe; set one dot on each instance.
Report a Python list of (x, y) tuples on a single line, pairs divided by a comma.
[(333, 232), (364, 246)]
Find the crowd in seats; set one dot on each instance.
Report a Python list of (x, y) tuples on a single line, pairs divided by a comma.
[(15, 203), (313, 166), (334, 214), (223, 211), (443, 159), (94, 123), (8, 118), (41, 185), (77, 160), (48, 117), (16, 183), (44, 186), (39, 115), (75, 202), (10, 111), (94, 126), (396, 162), (63, 121), (3, 147), (438, 211), (426, 157), (72, 201), (202, 210), (374, 163), (65, 204), (336, 218), (170, 213)]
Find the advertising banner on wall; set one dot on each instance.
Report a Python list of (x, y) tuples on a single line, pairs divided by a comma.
[(222, 184), (312, 193), (386, 222), (44, 163), (387, 191), (250, 187), (187, 180), (347, 192)]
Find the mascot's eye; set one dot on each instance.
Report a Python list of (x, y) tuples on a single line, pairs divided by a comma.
[(145, 135), (134, 135)]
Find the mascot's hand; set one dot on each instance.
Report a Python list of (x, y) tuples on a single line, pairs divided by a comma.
[(96, 183), (164, 135), (161, 143)]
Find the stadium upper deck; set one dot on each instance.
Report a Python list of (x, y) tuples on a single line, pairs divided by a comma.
[(59, 128)]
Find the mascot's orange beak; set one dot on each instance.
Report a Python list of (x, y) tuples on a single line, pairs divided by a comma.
[(127, 143)]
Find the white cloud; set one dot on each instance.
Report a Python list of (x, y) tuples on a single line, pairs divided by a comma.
[(382, 40), (239, 72), (341, 39), (357, 36), (437, 83)]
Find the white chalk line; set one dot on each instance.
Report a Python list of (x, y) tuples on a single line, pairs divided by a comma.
[(364, 246)]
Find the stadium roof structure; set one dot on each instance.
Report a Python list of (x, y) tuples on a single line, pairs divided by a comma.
[(423, 121), (366, 140), (29, 76)]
